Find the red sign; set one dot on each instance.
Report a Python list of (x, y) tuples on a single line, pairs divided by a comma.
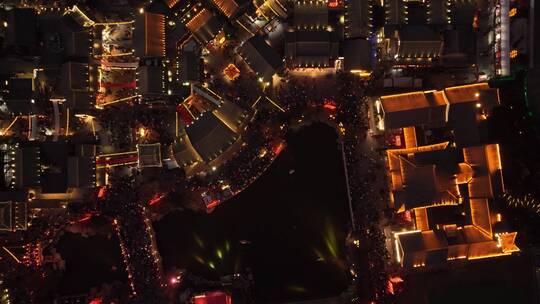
[(156, 199), (214, 297)]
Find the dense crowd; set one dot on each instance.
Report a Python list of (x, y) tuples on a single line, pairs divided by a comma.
[(371, 258), (365, 200), (135, 233), (369, 261), (262, 142), (122, 122), (247, 165)]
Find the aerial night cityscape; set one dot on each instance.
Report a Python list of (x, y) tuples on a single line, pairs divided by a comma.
[(269, 151)]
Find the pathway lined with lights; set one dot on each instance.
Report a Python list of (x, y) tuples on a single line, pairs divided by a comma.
[(141, 257)]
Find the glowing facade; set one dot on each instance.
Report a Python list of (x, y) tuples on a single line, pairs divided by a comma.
[(149, 35), (450, 187), (429, 181)]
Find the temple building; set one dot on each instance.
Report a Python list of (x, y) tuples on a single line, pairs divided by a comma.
[(204, 25), (79, 84), (450, 192), (310, 15), (47, 172), (357, 56), (263, 60), (189, 62), (311, 49), (311, 42), (413, 45), (448, 183), (209, 127), (228, 7), (13, 216), (358, 18), (429, 33), (149, 155), (150, 82), (271, 8), (463, 109), (149, 35)]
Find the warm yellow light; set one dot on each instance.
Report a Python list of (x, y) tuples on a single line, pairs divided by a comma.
[(396, 241), (489, 255), (116, 154), (456, 257), (361, 73), (141, 10), (231, 72), (142, 132), (84, 116), (514, 53)]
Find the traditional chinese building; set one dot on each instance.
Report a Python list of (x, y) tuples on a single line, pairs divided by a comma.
[(449, 183), (263, 60), (210, 125), (47, 172), (149, 35)]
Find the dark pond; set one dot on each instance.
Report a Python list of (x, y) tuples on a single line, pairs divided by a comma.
[(90, 262), (288, 227)]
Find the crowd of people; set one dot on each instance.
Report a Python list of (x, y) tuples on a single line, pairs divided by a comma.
[(262, 142), (369, 261), (366, 200), (259, 150), (137, 243), (124, 121), (370, 258)]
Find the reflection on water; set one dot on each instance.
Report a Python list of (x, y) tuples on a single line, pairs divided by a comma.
[(288, 227)]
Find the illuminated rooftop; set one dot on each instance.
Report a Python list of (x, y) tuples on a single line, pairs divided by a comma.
[(171, 3), (412, 101), (13, 216), (462, 108), (228, 7), (199, 20), (231, 72), (464, 176), (204, 25), (149, 35), (472, 176)]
